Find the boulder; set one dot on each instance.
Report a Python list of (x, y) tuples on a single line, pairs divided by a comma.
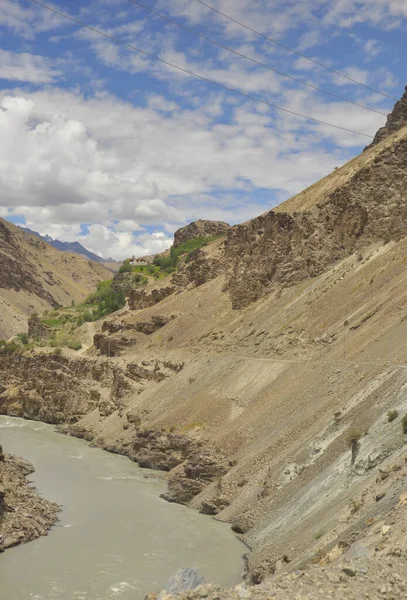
[(182, 581)]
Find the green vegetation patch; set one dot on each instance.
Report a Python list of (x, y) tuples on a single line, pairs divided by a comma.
[(56, 328), (105, 300), (168, 264)]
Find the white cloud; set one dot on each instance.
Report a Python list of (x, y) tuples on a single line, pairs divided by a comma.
[(27, 20), (309, 39), (192, 151), (372, 48), (22, 66), (121, 168)]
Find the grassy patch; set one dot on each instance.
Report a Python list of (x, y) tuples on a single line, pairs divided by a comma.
[(56, 327), (74, 345)]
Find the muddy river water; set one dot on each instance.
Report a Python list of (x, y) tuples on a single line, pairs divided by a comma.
[(116, 539)]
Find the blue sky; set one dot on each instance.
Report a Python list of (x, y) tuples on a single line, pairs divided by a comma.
[(106, 146)]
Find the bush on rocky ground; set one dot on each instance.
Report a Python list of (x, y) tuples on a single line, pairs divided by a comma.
[(392, 415)]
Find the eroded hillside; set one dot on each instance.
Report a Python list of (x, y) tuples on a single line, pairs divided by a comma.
[(267, 376), (34, 277)]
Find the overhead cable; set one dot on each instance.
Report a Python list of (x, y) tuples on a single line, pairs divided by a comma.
[(253, 60), (295, 51), (201, 77)]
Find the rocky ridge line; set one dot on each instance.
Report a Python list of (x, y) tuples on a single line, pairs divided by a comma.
[(199, 229), (395, 121), (282, 248)]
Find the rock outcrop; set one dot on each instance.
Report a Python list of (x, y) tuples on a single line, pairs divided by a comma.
[(199, 229), (24, 515), (199, 269), (139, 298), (192, 464), (56, 389), (395, 121), (182, 581), (280, 248)]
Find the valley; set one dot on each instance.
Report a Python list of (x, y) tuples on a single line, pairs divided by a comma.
[(264, 373)]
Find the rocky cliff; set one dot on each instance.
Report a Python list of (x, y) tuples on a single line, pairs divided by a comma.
[(395, 120), (199, 229), (283, 248)]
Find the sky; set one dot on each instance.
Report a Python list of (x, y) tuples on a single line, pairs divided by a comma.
[(112, 148)]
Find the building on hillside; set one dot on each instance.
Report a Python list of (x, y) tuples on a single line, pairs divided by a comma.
[(138, 262)]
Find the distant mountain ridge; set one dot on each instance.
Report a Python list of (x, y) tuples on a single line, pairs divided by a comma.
[(35, 276), (75, 247)]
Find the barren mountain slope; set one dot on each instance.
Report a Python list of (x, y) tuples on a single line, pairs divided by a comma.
[(386, 137), (34, 277), (368, 205), (269, 392), (261, 376)]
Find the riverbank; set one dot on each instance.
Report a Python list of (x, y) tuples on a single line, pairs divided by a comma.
[(113, 515), (24, 514)]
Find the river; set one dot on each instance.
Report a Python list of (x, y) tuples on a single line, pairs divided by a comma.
[(116, 539)]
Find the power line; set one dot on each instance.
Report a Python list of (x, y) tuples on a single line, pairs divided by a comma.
[(201, 77), (253, 60), (295, 51)]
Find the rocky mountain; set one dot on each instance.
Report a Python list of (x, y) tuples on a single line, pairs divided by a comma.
[(67, 246), (34, 277), (199, 229), (267, 376), (395, 120)]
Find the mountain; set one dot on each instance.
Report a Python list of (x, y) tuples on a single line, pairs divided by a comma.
[(267, 377), (34, 276), (67, 246)]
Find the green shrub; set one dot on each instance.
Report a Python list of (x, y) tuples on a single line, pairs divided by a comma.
[(352, 437), (10, 347), (105, 300), (57, 351), (404, 423), (52, 322), (74, 345), (125, 267), (140, 279), (87, 316), (392, 415), (23, 338)]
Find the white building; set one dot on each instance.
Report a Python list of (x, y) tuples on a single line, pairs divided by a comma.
[(138, 262)]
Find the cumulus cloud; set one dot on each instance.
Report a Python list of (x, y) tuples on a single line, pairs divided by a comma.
[(120, 174), (104, 162)]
